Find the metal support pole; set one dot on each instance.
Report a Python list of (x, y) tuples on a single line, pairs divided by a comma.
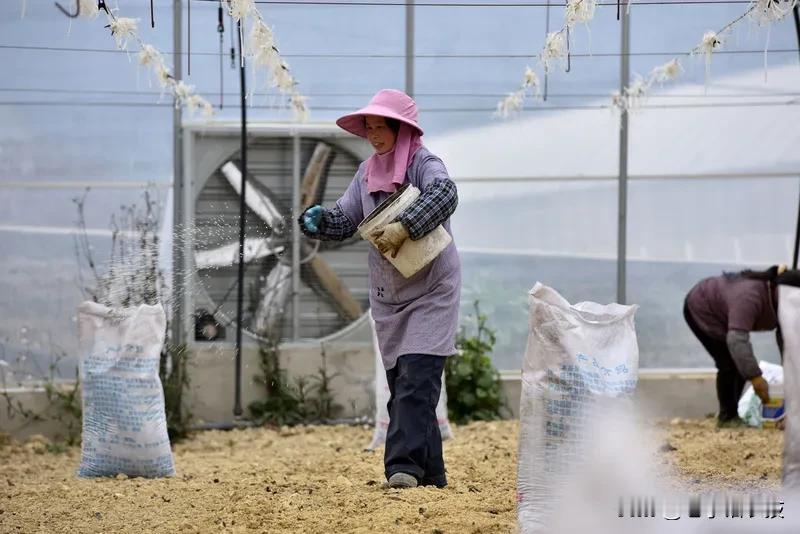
[(796, 238), (410, 48), (622, 203), (295, 237), (237, 407), (178, 185), (796, 14)]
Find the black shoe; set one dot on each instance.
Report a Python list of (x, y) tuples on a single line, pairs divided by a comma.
[(439, 482)]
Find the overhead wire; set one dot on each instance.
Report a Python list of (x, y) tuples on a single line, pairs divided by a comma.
[(487, 110), (402, 56), (764, 94)]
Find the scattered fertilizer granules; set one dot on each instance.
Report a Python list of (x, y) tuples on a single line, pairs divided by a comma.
[(318, 479)]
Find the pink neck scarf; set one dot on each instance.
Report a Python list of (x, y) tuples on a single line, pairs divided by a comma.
[(386, 172)]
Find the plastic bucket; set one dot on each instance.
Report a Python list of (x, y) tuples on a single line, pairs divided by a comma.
[(413, 255), (773, 411)]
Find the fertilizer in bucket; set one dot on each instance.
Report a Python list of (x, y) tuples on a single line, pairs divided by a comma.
[(752, 411), (413, 255), (773, 411)]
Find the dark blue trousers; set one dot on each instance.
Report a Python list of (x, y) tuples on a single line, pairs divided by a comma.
[(413, 441)]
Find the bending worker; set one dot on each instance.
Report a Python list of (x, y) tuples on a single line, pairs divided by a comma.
[(722, 311)]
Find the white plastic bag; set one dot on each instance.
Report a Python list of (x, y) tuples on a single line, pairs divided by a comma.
[(579, 359), (789, 320), (750, 406), (382, 399), (124, 424)]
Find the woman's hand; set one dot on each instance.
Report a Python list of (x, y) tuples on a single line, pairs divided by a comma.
[(311, 218), (390, 238), (761, 388)]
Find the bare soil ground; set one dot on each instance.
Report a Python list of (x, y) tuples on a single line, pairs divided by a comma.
[(319, 479)]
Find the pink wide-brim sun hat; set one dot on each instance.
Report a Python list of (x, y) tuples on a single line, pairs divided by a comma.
[(389, 103)]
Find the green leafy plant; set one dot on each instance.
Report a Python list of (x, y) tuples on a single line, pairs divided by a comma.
[(282, 404), (14, 408), (66, 401), (303, 389), (473, 384), (63, 400), (56, 448), (309, 398), (321, 405), (175, 380)]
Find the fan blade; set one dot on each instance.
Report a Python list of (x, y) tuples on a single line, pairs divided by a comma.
[(276, 293), (227, 255), (316, 171), (344, 300), (255, 200)]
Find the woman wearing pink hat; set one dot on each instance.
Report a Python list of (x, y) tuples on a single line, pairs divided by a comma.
[(416, 318)]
